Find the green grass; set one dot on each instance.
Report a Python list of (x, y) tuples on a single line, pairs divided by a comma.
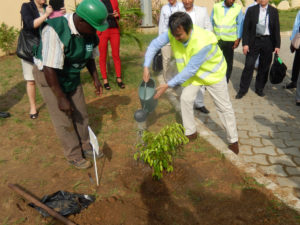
[(248, 183), (3, 161), (16, 153), (80, 185), (145, 39), (287, 18), (5, 221)]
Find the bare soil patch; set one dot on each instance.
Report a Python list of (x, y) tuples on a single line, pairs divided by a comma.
[(203, 189)]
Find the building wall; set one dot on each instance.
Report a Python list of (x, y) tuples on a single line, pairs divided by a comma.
[(10, 11)]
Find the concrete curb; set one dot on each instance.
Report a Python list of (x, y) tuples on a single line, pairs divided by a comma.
[(284, 195)]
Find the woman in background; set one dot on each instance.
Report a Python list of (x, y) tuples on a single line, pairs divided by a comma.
[(33, 14), (111, 34)]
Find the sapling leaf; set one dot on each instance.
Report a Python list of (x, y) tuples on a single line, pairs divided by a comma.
[(159, 149)]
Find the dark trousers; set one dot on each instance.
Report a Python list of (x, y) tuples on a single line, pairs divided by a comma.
[(296, 66), (262, 47), (226, 47)]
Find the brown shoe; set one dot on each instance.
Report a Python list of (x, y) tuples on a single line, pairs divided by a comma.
[(81, 164), (234, 147), (192, 136)]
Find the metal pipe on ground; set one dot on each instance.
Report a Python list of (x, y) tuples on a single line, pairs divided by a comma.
[(32, 199)]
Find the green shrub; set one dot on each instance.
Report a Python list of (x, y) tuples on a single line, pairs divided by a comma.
[(130, 19), (8, 38), (276, 2), (159, 149), (131, 15)]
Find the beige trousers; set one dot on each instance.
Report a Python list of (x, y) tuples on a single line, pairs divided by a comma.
[(219, 93), (166, 52), (171, 72), (72, 131)]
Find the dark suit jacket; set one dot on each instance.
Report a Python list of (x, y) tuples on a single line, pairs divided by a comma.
[(29, 13), (249, 28)]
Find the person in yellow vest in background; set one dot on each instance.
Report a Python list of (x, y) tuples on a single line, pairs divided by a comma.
[(227, 20), (200, 62)]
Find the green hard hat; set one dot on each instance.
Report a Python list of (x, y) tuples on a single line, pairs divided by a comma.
[(94, 12)]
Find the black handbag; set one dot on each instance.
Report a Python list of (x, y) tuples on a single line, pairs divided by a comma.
[(157, 62), (278, 70), (26, 41)]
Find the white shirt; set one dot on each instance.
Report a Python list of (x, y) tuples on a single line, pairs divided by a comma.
[(263, 18), (166, 11), (200, 17)]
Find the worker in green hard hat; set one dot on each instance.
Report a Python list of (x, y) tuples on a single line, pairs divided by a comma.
[(68, 44)]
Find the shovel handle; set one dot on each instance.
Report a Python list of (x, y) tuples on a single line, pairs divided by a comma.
[(50, 211)]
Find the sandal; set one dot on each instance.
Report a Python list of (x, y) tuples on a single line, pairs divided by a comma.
[(120, 84), (34, 116), (106, 86)]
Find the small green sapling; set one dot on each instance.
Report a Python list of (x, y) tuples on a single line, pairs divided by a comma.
[(159, 149)]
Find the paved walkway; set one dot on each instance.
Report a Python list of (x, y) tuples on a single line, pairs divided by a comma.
[(268, 127)]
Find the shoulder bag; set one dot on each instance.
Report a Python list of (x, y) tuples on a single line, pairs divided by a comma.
[(278, 70), (157, 62), (26, 41)]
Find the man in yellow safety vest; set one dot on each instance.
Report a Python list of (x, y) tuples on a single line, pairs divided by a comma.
[(227, 20), (200, 62)]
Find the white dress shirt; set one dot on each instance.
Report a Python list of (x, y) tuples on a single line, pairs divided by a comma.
[(264, 18), (166, 11), (200, 17)]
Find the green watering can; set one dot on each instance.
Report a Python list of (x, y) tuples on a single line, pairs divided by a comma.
[(146, 95)]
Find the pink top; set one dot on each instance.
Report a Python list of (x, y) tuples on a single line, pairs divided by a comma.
[(55, 14)]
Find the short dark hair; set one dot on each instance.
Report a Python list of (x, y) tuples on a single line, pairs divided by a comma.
[(180, 19), (57, 4)]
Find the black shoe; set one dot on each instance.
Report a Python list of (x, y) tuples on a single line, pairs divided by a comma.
[(106, 86), (4, 114), (239, 95), (291, 85), (297, 103), (202, 109), (120, 84), (260, 93), (34, 116)]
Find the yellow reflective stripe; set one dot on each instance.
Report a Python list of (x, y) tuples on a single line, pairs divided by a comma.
[(212, 54), (225, 34), (226, 27), (180, 60), (215, 69)]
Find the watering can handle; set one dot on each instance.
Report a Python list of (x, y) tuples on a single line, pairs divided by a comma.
[(145, 94)]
